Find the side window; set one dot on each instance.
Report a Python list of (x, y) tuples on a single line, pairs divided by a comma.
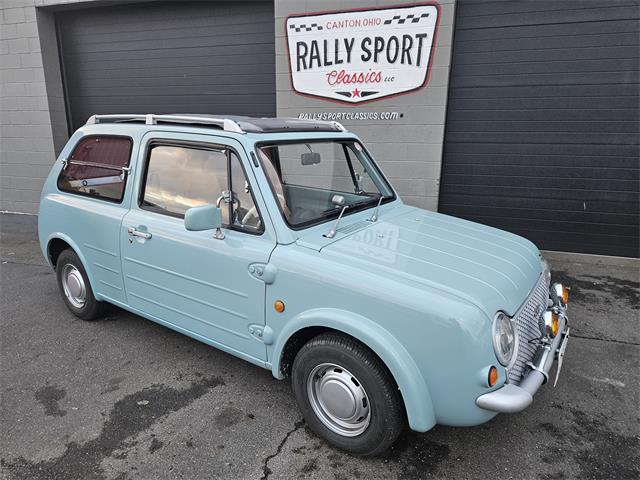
[(95, 168), (181, 177)]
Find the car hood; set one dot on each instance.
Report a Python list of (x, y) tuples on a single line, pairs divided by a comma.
[(491, 268)]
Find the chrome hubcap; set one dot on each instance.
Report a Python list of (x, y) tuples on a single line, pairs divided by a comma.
[(73, 286), (338, 399)]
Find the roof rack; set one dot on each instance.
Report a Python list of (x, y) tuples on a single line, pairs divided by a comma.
[(226, 124), (236, 124)]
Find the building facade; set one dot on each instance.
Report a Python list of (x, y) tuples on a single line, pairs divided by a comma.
[(523, 115)]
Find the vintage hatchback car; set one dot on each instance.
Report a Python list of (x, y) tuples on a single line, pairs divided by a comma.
[(281, 242)]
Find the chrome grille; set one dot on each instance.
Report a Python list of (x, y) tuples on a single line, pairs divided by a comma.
[(527, 321)]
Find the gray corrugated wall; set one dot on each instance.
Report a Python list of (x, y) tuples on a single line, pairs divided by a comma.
[(186, 57), (33, 127), (542, 124)]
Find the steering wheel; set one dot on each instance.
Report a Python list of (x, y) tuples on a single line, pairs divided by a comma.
[(252, 217)]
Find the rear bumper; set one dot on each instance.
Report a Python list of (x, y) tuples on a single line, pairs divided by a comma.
[(515, 398)]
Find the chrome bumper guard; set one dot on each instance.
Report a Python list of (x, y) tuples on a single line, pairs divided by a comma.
[(515, 398)]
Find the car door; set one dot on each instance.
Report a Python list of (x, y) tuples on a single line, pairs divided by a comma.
[(191, 281)]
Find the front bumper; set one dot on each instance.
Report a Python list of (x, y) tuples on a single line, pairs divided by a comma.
[(512, 398)]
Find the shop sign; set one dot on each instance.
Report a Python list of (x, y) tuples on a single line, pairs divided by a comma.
[(362, 55)]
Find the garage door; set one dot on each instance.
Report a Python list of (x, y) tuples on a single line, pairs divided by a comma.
[(201, 57), (542, 123)]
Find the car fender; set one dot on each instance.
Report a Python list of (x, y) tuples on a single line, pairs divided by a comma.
[(76, 249), (413, 388)]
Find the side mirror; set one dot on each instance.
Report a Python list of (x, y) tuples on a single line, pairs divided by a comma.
[(310, 158), (204, 217)]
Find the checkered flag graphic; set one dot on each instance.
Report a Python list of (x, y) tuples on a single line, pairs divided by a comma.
[(306, 28), (399, 19)]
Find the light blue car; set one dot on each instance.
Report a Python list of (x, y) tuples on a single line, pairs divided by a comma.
[(281, 242)]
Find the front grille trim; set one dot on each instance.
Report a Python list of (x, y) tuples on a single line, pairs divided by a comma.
[(527, 323)]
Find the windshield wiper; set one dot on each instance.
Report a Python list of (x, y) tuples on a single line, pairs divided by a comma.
[(338, 201), (374, 217), (364, 201)]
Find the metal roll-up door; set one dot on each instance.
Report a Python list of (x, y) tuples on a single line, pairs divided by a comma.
[(542, 122), (169, 57)]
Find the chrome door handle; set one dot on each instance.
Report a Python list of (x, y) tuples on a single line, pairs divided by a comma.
[(137, 233)]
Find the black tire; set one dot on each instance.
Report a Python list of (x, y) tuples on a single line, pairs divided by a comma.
[(92, 308), (386, 419)]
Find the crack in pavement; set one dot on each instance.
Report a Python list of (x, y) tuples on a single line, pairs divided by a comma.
[(266, 471), (608, 340)]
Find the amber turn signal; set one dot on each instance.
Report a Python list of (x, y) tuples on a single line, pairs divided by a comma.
[(565, 295), (551, 323), (493, 376), (279, 306), (559, 294), (554, 324)]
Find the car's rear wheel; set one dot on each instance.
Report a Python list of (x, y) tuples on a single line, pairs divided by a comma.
[(347, 395), (75, 287)]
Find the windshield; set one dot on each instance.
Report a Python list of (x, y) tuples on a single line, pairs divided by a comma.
[(306, 176)]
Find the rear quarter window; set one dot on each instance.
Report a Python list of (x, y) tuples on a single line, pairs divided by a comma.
[(96, 167)]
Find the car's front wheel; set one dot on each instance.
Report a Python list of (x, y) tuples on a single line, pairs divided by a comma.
[(347, 395), (75, 287)]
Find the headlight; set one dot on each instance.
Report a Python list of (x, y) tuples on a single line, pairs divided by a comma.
[(504, 338)]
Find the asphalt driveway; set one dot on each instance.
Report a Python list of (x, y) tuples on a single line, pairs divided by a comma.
[(125, 398)]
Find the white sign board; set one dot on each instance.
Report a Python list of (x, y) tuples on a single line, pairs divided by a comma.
[(362, 55)]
